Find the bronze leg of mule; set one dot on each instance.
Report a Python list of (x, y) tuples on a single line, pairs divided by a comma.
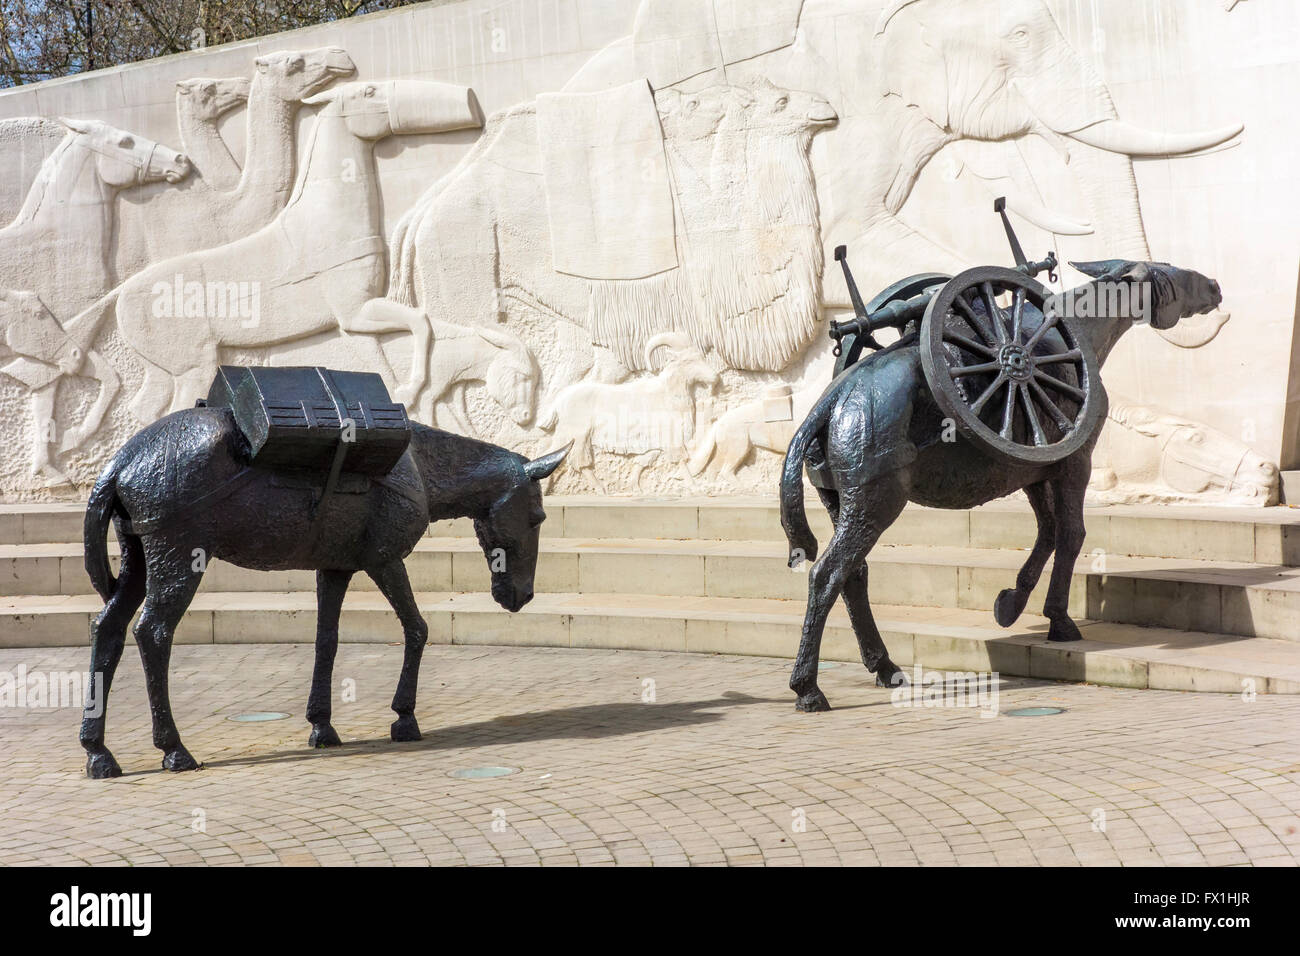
[(396, 587), (1067, 502), (864, 514), (875, 656), (870, 644), (331, 586), (1010, 603), (169, 589), (107, 638)]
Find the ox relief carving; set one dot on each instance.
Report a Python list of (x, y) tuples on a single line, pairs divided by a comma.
[(633, 261)]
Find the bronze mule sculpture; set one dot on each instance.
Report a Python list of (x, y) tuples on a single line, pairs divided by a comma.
[(166, 491), (876, 440)]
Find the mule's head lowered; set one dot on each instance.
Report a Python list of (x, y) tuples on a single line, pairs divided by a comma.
[(509, 529)]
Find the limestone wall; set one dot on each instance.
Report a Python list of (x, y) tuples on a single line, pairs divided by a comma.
[(610, 221)]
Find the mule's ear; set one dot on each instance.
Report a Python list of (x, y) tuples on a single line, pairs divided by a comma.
[(1103, 268), (540, 468)]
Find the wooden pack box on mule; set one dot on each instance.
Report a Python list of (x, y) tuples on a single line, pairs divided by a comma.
[(295, 417)]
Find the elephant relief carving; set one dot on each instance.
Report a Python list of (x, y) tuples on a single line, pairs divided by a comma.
[(907, 79)]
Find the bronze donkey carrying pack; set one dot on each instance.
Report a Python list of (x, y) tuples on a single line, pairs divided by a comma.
[(291, 468), (993, 386)]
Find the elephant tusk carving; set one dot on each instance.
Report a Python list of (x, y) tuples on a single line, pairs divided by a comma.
[(1120, 137), (1196, 330)]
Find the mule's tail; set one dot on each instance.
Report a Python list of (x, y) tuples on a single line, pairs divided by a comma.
[(794, 519), (99, 514)]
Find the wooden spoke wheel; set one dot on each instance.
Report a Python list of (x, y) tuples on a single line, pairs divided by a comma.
[(1017, 379), (851, 346)]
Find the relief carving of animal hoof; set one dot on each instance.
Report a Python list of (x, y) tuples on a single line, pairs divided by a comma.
[(102, 766), (405, 730), (1008, 606), (813, 703), (324, 735), (1063, 629), (179, 760)]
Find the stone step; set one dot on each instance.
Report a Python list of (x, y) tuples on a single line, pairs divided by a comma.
[(951, 639), (1268, 536), (1221, 597)]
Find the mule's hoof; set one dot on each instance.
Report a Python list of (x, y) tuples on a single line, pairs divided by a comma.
[(1062, 630), (324, 735), (405, 730), (179, 760), (102, 766), (890, 675), (1007, 607), (813, 703)]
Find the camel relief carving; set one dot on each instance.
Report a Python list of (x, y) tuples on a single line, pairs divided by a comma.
[(310, 270), (924, 74), (157, 226), (748, 286), (57, 246), (200, 104)]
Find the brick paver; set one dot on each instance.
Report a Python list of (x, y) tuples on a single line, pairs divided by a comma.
[(719, 768)]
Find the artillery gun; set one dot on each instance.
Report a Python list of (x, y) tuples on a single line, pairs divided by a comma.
[(1016, 376)]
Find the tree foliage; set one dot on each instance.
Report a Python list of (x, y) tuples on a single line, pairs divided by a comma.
[(42, 39)]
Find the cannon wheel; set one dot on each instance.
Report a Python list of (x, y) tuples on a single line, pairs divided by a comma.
[(851, 346), (1024, 386)]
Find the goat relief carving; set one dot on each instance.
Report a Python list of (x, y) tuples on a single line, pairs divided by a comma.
[(651, 418)]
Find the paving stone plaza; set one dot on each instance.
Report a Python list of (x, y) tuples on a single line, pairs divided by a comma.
[(636, 757)]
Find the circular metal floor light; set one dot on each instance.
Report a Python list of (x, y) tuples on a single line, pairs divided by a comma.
[(1035, 711), (482, 773), (258, 716)]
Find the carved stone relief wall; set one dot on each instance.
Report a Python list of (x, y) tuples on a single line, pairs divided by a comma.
[(609, 223)]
